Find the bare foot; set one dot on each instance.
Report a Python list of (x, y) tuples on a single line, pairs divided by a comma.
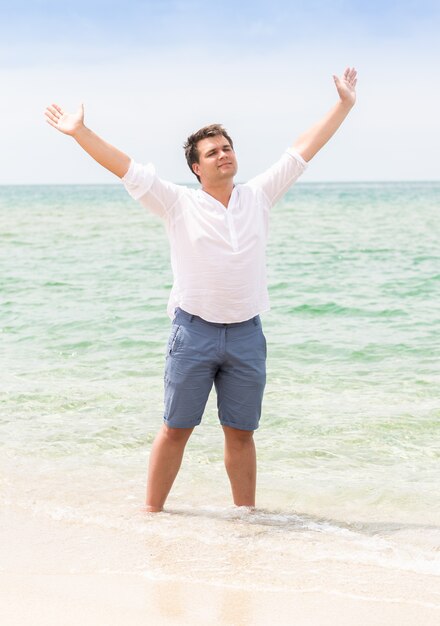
[(148, 508)]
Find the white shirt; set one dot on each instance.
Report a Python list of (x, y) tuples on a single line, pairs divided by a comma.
[(218, 254)]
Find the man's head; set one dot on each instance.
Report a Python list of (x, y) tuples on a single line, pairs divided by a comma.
[(209, 148)]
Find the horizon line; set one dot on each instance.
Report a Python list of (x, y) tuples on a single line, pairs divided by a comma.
[(301, 182)]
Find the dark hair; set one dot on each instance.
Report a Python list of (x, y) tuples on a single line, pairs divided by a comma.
[(190, 146)]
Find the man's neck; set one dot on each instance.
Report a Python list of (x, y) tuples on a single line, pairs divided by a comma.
[(222, 192)]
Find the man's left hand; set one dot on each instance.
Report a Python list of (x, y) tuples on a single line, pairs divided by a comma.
[(346, 86)]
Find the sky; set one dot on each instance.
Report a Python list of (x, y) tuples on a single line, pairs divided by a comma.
[(150, 73)]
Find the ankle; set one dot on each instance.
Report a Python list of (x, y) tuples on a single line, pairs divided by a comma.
[(150, 508)]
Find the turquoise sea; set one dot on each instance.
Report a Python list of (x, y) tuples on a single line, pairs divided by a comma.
[(349, 442)]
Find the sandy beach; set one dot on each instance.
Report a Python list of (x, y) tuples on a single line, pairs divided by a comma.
[(49, 576)]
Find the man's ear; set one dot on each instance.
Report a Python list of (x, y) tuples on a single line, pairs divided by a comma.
[(196, 168)]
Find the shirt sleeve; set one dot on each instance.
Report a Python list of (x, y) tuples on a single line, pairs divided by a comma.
[(156, 195), (275, 181)]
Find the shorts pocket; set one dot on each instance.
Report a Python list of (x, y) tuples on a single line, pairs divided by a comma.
[(172, 339)]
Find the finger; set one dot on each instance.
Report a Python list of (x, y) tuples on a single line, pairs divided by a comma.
[(54, 111), (58, 108), (348, 78), (51, 123), (51, 116)]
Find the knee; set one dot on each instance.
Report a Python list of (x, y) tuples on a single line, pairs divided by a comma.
[(237, 438), (176, 435)]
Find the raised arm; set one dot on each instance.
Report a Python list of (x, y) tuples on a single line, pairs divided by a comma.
[(309, 143), (72, 124)]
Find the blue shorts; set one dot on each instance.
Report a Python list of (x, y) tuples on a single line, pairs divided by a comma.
[(200, 353)]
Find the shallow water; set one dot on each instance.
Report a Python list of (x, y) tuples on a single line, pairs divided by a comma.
[(348, 447)]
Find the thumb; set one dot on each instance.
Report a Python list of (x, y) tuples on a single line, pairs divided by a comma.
[(80, 110), (338, 83)]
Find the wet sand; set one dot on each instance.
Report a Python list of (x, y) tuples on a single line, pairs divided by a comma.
[(51, 573)]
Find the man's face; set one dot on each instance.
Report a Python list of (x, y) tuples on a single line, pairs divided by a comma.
[(217, 161)]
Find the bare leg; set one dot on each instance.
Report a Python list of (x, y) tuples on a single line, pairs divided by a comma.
[(165, 460), (241, 464)]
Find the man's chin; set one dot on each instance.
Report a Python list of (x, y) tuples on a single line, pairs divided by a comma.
[(228, 171)]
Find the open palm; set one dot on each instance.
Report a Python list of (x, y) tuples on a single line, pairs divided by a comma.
[(346, 85), (67, 123)]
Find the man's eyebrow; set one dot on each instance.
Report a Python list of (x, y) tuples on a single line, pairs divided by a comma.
[(226, 145)]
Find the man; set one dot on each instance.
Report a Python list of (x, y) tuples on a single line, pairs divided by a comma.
[(217, 238)]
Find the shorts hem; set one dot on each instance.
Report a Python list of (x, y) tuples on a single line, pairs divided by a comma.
[(237, 426), (168, 423)]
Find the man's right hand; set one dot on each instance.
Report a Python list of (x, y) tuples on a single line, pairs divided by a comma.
[(67, 123), (72, 124)]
